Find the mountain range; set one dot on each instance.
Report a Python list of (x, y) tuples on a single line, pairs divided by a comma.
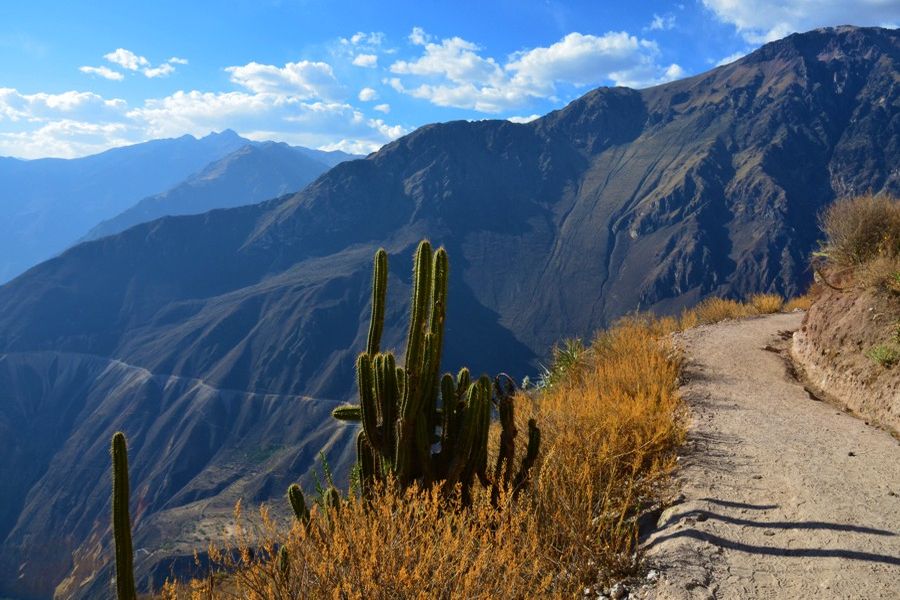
[(219, 342), (50, 204)]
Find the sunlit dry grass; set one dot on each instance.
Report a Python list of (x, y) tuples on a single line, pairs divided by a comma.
[(799, 303), (766, 304), (609, 433), (713, 310)]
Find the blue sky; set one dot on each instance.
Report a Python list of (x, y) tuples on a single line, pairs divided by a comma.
[(79, 77)]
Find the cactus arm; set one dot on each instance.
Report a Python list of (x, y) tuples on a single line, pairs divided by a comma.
[(379, 291), (121, 520), (349, 412)]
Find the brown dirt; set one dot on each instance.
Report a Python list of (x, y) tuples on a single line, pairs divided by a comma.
[(830, 349), (784, 497)]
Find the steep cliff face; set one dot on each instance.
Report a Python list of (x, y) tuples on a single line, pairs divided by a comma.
[(623, 200)]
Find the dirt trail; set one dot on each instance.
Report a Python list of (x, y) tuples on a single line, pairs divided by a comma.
[(784, 496)]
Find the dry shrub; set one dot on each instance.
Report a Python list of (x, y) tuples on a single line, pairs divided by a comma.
[(799, 303), (713, 310), (766, 304), (882, 272), (609, 433), (860, 229)]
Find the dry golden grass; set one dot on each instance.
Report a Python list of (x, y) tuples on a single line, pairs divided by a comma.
[(609, 433), (800, 302), (766, 304), (713, 310)]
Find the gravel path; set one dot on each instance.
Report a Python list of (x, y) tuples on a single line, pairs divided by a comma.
[(784, 496)]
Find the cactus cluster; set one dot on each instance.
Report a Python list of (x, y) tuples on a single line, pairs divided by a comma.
[(416, 425), (121, 519)]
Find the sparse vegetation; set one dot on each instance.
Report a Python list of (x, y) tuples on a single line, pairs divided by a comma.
[(886, 355)]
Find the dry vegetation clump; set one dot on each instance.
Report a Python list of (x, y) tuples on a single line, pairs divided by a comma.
[(799, 303), (766, 304), (610, 425), (713, 310), (860, 230)]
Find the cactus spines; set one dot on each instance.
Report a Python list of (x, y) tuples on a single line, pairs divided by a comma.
[(406, 410), (121, 519), (298, 503)]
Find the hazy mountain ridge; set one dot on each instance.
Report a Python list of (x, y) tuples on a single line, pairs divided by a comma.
[(251, 174), (623, 199), (50, 204)]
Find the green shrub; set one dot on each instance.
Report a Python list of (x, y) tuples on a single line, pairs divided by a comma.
[(885, 355)]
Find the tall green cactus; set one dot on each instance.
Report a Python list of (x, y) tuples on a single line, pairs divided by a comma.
[(121, 520), (406, 410)]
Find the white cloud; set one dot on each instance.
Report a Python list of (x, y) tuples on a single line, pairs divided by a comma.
[(367, 94), (454, 58), (360, 38), (383, 108), (527, 119), (134, 62), (761, 21), (271, 116), (661, 22), (161, 71), (303, 79), (65, 139), (42, 107), (366, 60), (126, 59), (731, 58), (454, 73), (418, 36), (104, 72)]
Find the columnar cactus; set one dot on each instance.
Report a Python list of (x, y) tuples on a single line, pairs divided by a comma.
[(406, 410), (121, 520), (298, 503)]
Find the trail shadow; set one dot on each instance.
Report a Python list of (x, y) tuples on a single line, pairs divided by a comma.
[(775, 551), (703, 515), (744, 505)]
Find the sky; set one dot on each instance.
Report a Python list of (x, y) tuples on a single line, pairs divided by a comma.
[(78, 78)]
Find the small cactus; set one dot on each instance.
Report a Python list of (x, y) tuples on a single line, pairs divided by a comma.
[(121, 519)]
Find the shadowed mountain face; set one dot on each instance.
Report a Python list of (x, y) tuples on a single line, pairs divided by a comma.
[(249, 175), (201, 336)]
